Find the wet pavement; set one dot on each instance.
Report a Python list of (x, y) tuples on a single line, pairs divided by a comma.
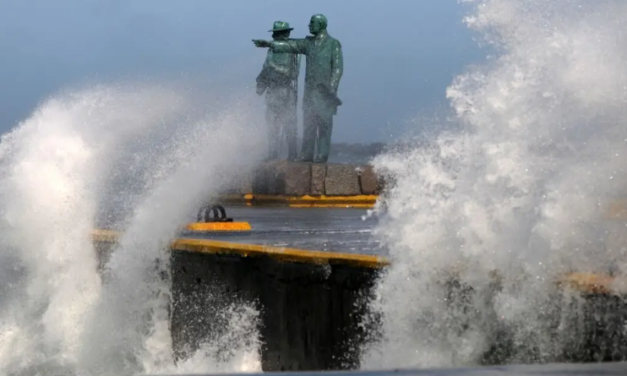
[(320, 229)]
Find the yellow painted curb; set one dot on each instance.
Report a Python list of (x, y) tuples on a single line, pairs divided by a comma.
[(360, 201), (583, 282), (253, 250), (218, 226), (283, 254), (589, 283), (617, 210), (105, 236)]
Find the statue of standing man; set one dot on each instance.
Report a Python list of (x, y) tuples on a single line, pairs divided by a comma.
[(279, 80), (322, 78)]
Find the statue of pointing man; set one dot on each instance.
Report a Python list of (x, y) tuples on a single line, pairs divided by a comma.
[(322, 79)]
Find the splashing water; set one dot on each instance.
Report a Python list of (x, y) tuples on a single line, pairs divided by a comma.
[(154, 154), (515, 198)]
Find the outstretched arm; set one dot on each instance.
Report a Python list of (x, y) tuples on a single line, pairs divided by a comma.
[(337, 66), (262, 43), (291, 46)]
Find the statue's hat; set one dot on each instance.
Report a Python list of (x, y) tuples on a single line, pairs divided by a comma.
[(281, 26)]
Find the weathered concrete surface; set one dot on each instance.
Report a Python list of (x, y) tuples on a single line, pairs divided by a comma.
[(291, 179), (342, 180), (283, 178), (263, 180), (369, 183), (318, 174), (310, 314), (302, 179)]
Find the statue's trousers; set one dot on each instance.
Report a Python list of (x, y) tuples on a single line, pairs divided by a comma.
[(317, 130), (281, 118)]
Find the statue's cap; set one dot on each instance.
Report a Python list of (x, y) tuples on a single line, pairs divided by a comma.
[(281, 26)]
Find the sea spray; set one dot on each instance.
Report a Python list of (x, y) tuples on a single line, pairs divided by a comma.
[(48, 172), (204, 160), (154, 153), (481, 222)]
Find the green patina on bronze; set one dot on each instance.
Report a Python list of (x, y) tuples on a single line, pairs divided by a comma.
[(324, 70), (278, 79)]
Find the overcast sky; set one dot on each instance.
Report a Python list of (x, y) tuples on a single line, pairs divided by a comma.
[(399, 55)]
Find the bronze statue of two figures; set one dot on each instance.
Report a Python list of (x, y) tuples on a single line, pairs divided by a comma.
[(279, 81)]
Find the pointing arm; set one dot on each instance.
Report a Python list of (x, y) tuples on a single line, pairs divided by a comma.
[(291, 46)]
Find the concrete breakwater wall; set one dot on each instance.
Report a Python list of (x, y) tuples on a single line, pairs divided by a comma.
[(311, 305), (309, 313)]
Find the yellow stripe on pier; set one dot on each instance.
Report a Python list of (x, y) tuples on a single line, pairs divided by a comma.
[(360, 201), (617, 210), (584, 282), (254, 250), (594, 283), (218, 226)]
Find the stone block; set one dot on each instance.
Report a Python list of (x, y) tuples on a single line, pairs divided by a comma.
[(300, 179), (368, 180), (292, 178), (263, 180), (282, 178), (342, 180), (318, 174)]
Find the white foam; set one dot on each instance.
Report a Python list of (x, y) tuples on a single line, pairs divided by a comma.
[(519, 189), (154, 152)]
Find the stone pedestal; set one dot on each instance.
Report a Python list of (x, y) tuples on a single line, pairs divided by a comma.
[(285, 178)]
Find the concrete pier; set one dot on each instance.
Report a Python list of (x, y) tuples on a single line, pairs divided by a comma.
[(312, 303), (310, 313)]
